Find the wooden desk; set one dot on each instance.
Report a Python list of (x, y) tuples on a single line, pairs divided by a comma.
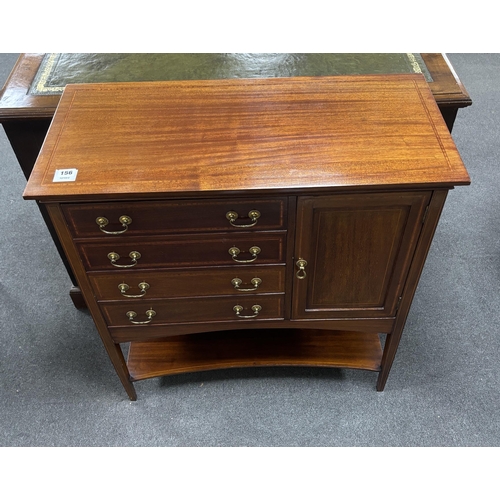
[(248, 222), (26, 114)]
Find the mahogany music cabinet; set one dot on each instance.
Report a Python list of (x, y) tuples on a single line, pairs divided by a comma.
[(229, 223)]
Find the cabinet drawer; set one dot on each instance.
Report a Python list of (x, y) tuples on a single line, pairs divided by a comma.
[(184, 251), (188, 283), (195, 310), (184, 216)]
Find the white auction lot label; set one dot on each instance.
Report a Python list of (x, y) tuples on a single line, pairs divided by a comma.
[(65, 175)]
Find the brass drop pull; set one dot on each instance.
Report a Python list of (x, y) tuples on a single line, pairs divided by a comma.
[(235, 251), (301, 273), (236, 282), (256, 309), (149, 314), (124, 220), (143, 287), (253, 215), (113, 257)]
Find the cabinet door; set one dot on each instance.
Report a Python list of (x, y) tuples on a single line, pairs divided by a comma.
[(358, 249)]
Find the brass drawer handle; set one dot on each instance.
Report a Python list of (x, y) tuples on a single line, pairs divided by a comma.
[(256, 309), (253, 215), (143, 286), (124, 220), (149, 314), (235, 251), (236, 282), (113, 257), (301, 273)]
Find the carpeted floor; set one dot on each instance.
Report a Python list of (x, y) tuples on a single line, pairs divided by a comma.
[(58, 388)]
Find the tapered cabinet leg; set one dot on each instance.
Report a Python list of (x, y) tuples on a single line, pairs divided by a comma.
[(428, 229), (76, 296), (129, 387), (116, 356), (390, 349)]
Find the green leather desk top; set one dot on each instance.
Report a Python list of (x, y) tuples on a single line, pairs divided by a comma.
[(57, 70)]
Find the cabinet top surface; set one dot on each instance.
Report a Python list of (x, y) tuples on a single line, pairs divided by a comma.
[(180, 138)]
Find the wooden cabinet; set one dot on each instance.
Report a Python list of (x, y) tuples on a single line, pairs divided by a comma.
[(29, 98), (279, 226)]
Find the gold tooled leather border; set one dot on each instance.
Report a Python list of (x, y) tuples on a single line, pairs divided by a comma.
[(40, 81), (41, 87)]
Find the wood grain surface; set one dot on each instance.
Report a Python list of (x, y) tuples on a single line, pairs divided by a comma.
[(233, 349), (215, 137)]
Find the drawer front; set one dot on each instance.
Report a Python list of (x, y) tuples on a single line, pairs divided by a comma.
[(195, 310), (164, 217), (183, 251), (188, 283)]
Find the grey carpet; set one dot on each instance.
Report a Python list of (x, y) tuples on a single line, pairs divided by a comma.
[(58, 388)]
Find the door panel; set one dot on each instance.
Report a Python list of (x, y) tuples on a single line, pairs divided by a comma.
[(358, 250)]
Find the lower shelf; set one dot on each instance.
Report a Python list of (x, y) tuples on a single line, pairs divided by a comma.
[(246, 348)]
